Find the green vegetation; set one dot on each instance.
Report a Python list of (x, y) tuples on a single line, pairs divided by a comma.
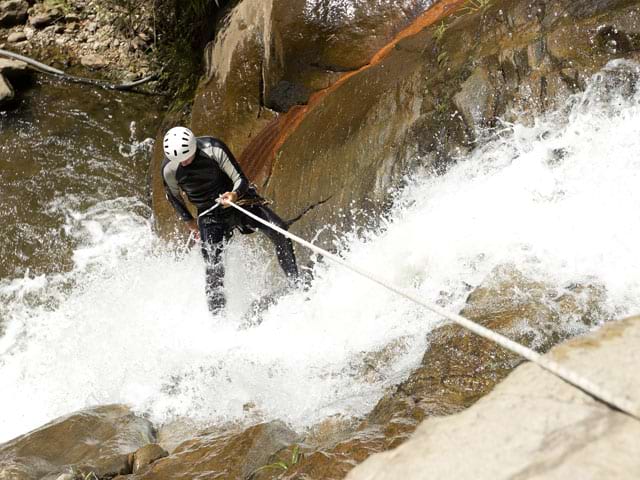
[(474, 6), (181, 30), (443, 59), (61, 4), (184, 28), (439, 32), (283, 464)]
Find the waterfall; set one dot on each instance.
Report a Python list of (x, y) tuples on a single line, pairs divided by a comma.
[(128, 322)]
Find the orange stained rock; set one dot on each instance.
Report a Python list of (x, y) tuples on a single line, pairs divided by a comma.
[(257, 158)]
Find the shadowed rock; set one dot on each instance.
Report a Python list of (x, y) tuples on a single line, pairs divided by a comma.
[(13, 12), (145, 456)]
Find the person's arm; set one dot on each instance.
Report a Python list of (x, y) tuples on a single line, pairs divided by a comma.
[(173, 195), (221, 154)]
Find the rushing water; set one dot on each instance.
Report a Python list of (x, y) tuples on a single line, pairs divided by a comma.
[(127, 321)]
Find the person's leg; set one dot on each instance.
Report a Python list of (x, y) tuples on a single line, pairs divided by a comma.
[(284, 246), (212, 235)]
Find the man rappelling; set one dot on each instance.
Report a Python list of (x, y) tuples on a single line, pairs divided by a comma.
[(205, 170)]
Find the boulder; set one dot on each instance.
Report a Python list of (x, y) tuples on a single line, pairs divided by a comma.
[(146, 455), (231, 454), (13, 68), (460, 367), (6, 91), (534, 425), (17, 37), (13, 12), (45, 19), (92, 61), (97, 440)]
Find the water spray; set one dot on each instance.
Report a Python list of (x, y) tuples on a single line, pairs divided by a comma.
[(595, 391)]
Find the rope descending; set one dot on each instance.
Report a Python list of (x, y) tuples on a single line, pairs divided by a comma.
[(595, 391)]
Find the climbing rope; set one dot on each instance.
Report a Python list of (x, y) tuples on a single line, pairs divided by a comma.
[(595, 391)]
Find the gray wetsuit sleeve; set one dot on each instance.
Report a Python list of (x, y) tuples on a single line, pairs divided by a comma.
[(221, 154), (172, 190)]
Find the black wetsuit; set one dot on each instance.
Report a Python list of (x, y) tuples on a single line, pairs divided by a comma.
[(213, 172)]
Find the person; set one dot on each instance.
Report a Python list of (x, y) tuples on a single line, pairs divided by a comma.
[(206, 171)]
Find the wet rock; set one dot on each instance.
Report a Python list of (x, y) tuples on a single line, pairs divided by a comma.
[(146, 455), (13, 12), (6, 91), (476, 99), (425, 103), (534, 425), (94, 62), (16, 37), (98, 440), (329, 463), (271, 55), (234, 454), (459, 367), (536, 313)]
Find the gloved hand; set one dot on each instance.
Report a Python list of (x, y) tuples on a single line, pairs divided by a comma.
[(227, 197)]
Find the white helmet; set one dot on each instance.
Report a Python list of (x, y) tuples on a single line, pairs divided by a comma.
[(179, 144)]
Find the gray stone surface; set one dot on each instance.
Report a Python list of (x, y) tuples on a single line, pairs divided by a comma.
[(12, 67), (533, 425), (16, 37), (93, 61), (6, 91)]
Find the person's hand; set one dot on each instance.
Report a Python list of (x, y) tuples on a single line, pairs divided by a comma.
[(192, 225), (227, 197)]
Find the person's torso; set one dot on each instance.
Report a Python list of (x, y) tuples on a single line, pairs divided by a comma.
[(203, 181)]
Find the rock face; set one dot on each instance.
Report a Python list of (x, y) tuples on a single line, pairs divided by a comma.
[(97, 440), (553, 430), (424, 102), (272, 54), (420, 103)]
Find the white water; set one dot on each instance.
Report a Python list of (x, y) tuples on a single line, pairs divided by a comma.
[(130, 324)]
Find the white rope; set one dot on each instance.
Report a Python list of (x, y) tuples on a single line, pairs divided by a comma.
[(622, 404), (206, 212)]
